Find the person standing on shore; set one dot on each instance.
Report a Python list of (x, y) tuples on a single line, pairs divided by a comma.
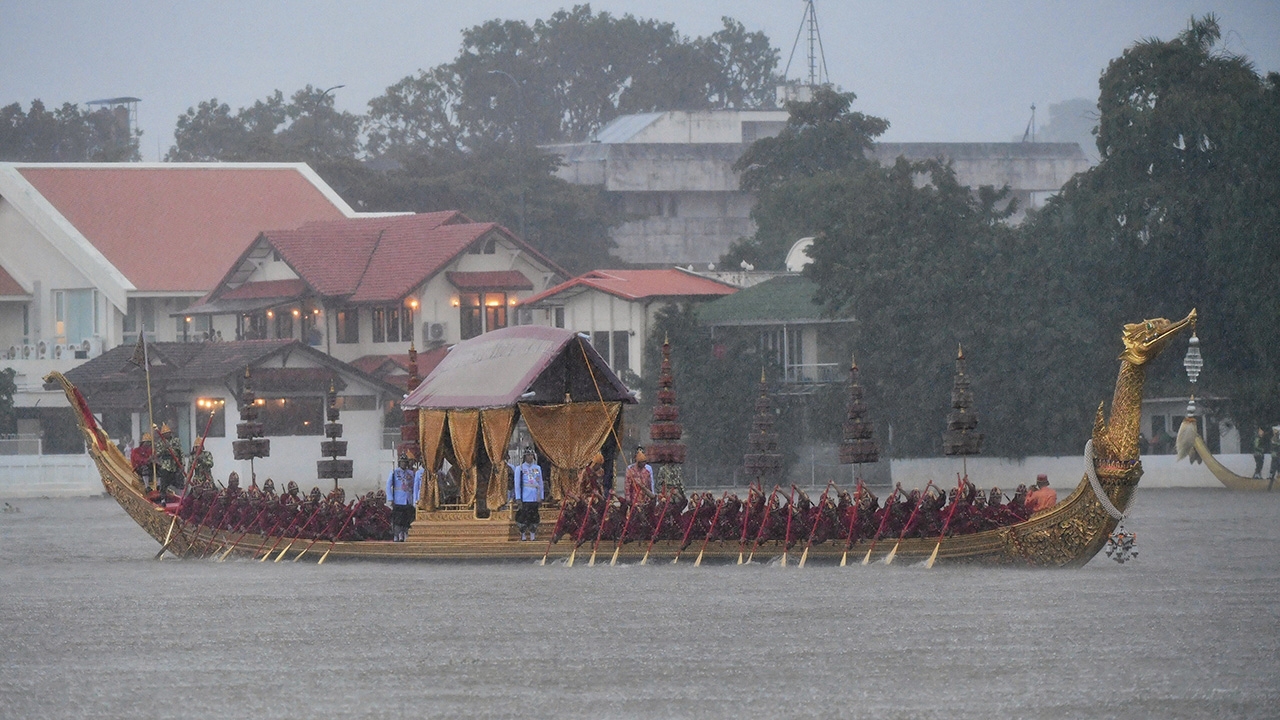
[(1259, 452), (528, 492)]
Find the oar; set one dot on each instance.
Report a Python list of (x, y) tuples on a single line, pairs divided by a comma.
[(319, 507), (888, 559), (947, 523), (693, 518), (168, 538), (626, 525), (657, 528), (746, 521), (884, 520), (791, 513), (604, 515), (853, 521), (318, 530), (707, 538), (764, 523), (337, 535), (252, 523), (582, 528), (817, 517), (559, 522), (297, 514)]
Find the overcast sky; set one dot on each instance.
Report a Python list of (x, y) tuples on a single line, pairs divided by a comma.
[(938, 70)]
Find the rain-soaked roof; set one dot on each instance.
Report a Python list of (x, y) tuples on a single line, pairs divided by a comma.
[(526, 363)]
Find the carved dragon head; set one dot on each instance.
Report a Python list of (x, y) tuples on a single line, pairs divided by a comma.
[(1146, 339)]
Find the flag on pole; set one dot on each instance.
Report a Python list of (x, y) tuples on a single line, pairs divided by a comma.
[(140, 352)]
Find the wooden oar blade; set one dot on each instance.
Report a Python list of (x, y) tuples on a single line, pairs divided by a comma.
[(888, 559), (804, 556), (867, 560), (933, 556)]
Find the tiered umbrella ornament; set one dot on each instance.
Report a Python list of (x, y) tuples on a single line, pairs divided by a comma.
[(857, 439), (666, 451), (250, 443), (961, 437), (335, 467), (762, 462)]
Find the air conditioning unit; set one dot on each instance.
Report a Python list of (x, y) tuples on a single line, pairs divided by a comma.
[(93, 346), (433, 331), (59, 350), (27, 351), (42, 350)]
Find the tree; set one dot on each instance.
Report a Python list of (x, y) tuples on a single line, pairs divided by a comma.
[(564, 77), (307, 128), (67, 134), (1183, 210), (8, 420), (822, 141)]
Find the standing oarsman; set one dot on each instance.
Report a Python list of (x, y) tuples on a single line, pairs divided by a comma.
[(404, 488), (140, 458), (640, 474), (202, 464), (169, 463), (528, 492)]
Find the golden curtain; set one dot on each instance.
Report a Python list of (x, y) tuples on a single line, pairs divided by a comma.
[(570, 435), (430, 432), (464, 432), (496, 423)]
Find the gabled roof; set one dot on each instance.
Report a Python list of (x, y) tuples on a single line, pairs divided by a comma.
[(639, 285), (174, 227), (370, 259), (489, 280), (178, 366), (395, 368), (786, 299), (524, 363)]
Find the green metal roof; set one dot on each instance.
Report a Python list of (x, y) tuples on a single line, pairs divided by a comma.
[(785, 299)]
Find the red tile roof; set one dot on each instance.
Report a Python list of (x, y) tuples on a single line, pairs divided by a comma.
[(490, 280), (9, 286), (265, 289), (641, 284), (178, 228), (380, 259), (395, 368)]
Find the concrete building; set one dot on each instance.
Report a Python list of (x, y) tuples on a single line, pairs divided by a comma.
[(673, 173)]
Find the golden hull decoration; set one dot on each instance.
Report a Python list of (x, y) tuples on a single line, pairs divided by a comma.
[(1066, 535), (1225, 476)]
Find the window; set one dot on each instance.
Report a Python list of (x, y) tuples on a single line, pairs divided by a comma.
[(621, 350), (469, 317), (193, 328), (392, 323), (253, 326), (600, 341), (495, 310), (284, 324), (357, 402), (558, 317), (311, 325), (75, 315), (215, 408), (291, 416), (140, 314), (347, 325)]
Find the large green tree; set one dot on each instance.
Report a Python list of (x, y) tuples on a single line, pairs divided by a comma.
[(1183, 210), (564, 77), (66, 134), (307, 128)]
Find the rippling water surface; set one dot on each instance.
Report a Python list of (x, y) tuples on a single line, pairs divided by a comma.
[(92, 627)]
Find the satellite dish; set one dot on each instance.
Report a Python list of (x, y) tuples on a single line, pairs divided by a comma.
[(798, 255)]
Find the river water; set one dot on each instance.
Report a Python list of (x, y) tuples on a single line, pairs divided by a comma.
[(92, 627)]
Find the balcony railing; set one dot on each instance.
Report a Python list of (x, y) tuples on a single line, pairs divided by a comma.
[(814, 373)]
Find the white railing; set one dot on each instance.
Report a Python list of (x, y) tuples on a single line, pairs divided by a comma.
[(20, 445), (814, 373)]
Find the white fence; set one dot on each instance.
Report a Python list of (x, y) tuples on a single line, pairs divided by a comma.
[(48, 476)]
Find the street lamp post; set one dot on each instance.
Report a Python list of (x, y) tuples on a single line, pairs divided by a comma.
[(315, 117), (519, 138)]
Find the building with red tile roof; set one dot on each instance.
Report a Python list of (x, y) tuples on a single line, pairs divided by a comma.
[(103, 250), (616, 308), (361, 287)]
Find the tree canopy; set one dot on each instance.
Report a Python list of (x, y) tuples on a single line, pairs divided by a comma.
[(1183, 210), (66, 134)]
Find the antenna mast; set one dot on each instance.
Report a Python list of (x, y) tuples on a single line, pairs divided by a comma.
[(817, 56)]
